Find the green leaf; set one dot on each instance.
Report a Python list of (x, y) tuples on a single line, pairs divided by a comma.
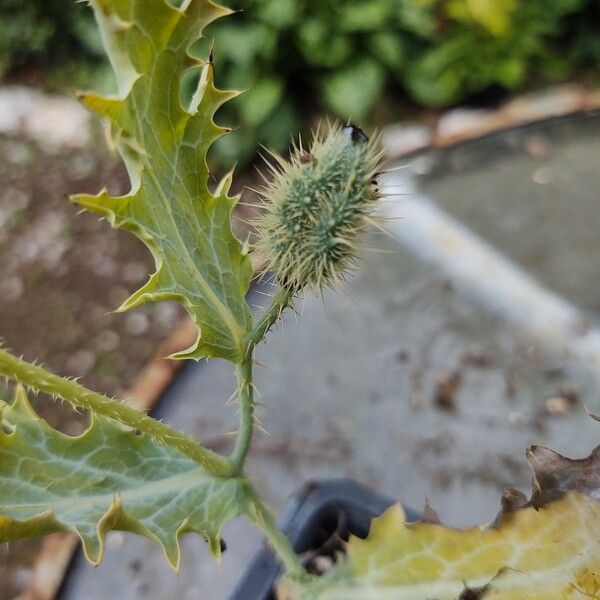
[(244, 47), (352, 91), (493, 15), (511, 72), (261, 100), (389, 48), (418, 18), (363, 16), (110, 477), (328, 53), (278, 13), (39, 379), (170, 208), (437, 78), (312, 35)]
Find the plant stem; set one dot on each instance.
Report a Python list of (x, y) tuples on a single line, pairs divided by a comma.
[(259, 513), (281, 300), (246, 399), (78, 396), (264, 520)]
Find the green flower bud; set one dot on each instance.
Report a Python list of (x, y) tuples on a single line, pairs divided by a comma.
[(316, 206)]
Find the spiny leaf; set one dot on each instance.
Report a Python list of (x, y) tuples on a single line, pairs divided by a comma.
[(199, 262), (548, 549), (110, 477), (79, 397)]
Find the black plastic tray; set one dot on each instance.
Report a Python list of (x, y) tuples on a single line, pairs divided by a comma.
[(310, 518)]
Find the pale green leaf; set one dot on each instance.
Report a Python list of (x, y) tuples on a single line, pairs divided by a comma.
[(170, 208), (110, 477)]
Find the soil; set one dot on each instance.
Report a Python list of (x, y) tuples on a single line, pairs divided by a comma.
[(61, 275)]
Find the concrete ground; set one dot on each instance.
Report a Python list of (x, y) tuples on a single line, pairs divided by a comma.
[(404, 382)]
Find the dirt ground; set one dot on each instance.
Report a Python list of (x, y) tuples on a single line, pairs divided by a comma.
[(61, 275)]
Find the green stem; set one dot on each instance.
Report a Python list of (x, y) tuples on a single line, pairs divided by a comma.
[(75, 394), (265, 521), (281, 300), (246, 399), (260, 514)]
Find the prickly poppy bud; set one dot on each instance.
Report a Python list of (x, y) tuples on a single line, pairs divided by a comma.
[(316, 206)]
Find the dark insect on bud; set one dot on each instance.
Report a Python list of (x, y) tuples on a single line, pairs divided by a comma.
[(354, 134)]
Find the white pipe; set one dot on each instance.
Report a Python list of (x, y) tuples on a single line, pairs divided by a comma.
[(476, 267)]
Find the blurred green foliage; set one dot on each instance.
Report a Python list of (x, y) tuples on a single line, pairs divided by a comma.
[(299, 58), (350, 58), (47, 34)]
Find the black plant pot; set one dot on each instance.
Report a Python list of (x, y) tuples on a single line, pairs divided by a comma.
[(312, 516)]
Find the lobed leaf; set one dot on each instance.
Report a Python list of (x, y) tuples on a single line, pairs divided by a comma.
[(199, 262), (110, 477), (545, 549)]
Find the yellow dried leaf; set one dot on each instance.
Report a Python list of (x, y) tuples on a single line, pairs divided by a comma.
[(550, 553)]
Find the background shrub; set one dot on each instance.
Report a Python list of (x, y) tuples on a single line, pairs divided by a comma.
[(47, 34), (360, 59), (355, 58)]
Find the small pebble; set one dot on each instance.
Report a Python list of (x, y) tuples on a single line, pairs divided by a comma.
[(81, 362), (165, 315), (446, 392), (137, 323), (538, 146), (82, 166), (134, 271), (136, 565), (516, 418), (558, 406), (117, 295), (569, 392), (322, 564), (106, 341), (542, 176), (115, 540), (403, 356), (97, 312), (15, 199), (17, 153), (11, 288), (102, 265), (21, 576)]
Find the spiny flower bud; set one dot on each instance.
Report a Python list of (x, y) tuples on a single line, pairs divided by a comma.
[(316, 206)]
